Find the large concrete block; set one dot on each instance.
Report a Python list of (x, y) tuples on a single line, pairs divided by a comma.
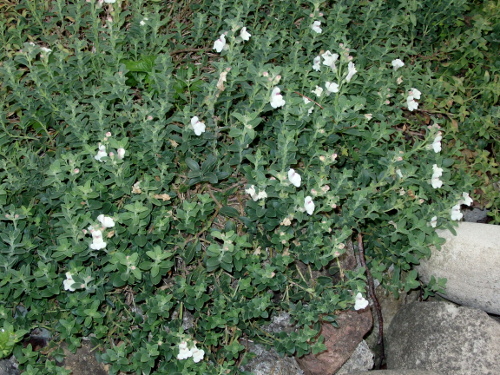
[(470, 261)]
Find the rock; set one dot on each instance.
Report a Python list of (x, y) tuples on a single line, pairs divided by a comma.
[(442, 337), (8, 367), (394, 372), (389, 305), (268, 362), (83, 362), (475, 215), (340, 342), (470, 261), (361, 359)]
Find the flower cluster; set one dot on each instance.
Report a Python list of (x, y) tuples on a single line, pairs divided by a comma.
[(436, 144), (253, 193), (220, 44), (96, 232), (436, 173), (70, 285), (455, 212), (330, 59), (193, 352), (410, 100), (101, 151)]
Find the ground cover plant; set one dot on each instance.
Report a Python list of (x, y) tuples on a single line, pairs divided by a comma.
[(174, 175)]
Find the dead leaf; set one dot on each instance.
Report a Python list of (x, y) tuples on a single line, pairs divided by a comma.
[(163, 197)]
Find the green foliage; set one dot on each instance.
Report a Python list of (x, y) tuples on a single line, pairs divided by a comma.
[(120, 223)]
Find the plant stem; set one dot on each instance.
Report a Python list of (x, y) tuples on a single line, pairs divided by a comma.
[(373, 296)]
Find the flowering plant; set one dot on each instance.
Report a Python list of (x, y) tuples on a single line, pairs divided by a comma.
[(164, 198)]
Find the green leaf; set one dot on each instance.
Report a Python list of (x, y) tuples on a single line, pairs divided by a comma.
[(192, 164), (229, 211), (145, 64), (190, 251), (208, 164)]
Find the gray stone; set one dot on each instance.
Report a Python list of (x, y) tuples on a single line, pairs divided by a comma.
[(470, 261), (8, 367), (267, 362), (361, 359), (475, 215), (394, 372), (340, 342), (442, 337)]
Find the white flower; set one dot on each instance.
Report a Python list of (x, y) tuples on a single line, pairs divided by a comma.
[(97, 242), (106, 221), (467, 199), (351, 70), (198, 126), (244, 34), (415, 93), (309, 205), (412, 104), (197, 354), (294, 177), (360, 303), (101, 152), (318, 91), (435, 181), (331, 87), (253, 193), (220, 43), (46, 51), (433, 221), (110, 1), (329, 59), (184, 352), (436, 171), (276, 99), (399, 173), (69, 282), (436, 144), (120, 153), (262, 195), (316, 63), (315, 27), (455, 213), (396, 64), (143, 21)]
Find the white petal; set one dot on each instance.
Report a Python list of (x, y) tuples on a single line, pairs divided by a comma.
[(106, 221), (396, 64), (467, 199), (276, 99), (220, 43), (360, 303), (331, 87), (294, 177), (244, 34), (415, 93), (455, 213), (309, 205), (316, 27)]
